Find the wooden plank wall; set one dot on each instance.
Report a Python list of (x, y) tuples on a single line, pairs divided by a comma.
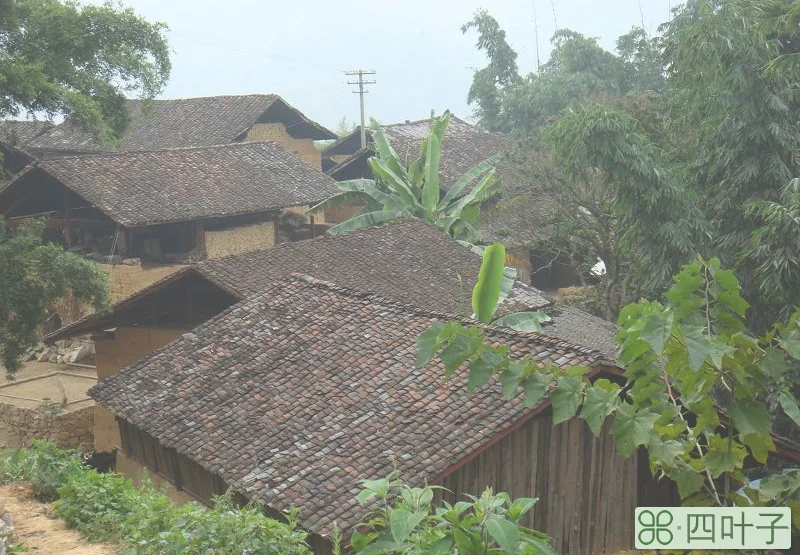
[(587, 494)]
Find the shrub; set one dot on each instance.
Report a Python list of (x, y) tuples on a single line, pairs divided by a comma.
[(196, 530), (44, 465), (96, 504)]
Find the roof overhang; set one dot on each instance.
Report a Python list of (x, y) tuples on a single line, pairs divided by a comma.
[(297, 124), (111, 318)]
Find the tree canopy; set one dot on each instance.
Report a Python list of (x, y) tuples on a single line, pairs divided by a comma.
[(675, 144), (79, 61), (32, 275)]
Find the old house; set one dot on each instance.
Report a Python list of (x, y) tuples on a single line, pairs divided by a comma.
[(294, 395), (166, 205), (408, 261), (195, 122)]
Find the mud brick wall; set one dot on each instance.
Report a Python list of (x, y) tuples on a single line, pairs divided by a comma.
[(276, 133)]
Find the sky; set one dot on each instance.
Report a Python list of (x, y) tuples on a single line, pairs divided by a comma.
[(300, 49)]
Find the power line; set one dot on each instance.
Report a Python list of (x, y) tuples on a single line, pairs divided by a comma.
[(536, 35), (361, 92)]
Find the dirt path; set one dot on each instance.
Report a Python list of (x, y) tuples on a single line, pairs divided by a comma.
[(40, 531)]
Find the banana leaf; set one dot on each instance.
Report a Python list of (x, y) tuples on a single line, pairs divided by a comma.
[(347, 197), (433, 152), (385, 151), (469, 176), (396, 183), (523, 321), (366, 220), (486, 293)]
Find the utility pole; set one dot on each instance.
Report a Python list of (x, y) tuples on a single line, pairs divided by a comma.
[(361, 92)]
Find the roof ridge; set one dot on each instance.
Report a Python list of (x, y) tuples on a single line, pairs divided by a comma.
[(275, 95), (379, 299), (113, 153)]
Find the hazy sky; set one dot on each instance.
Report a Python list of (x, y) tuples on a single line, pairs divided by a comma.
[(300, 49)]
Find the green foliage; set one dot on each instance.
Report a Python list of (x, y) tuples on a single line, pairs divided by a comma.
[(611, 185), (79, 61), (406, 520), (96, 504), (696, 380), (108, 507), (732, 70), (400, 192), (196, 530), (32, 275), (44, 465), (495, 282), (578, 70)]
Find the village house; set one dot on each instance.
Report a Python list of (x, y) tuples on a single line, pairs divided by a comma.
[(508, 219), (170, 206), (408, 261), (293, 396), (193, 122)]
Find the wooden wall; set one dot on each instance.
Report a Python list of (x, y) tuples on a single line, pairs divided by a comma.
[(587, 495)]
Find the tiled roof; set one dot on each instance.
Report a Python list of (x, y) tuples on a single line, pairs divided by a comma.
[(581, 328), (408, 261), (295, 395), (187, 122), (20, 133), (145, 188), (464, 145)]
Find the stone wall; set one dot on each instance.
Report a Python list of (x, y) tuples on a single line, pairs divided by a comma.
[(20, 426), (276, 132), (236, 240)]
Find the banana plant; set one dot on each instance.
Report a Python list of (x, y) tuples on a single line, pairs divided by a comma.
[(493, 286), (399, 192)]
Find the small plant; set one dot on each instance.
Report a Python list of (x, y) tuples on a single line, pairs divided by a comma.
[(96, 504), (44, 465), (406, 520), (196, 530)]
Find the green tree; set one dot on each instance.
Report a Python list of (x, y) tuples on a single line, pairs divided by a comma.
[(696, 377), (400, 192), (615, 199), (578, 70), (733, 72), (79, 61), (32, 275)]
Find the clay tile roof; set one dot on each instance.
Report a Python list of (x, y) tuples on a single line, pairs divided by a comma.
[(186, 122), (408, 261), (145, 188), (581, 328), (20, 133), (295, 395), (464, 145)]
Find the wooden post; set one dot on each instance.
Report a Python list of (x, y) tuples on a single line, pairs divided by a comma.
[(67, 231), (200, 236), (313, 227)]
